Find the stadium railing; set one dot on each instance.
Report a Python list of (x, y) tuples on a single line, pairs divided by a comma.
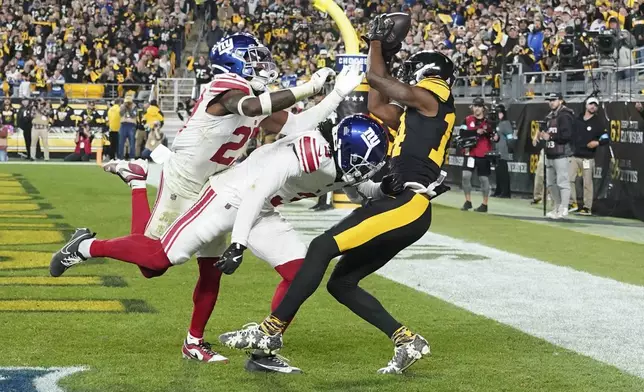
[(171, 91)]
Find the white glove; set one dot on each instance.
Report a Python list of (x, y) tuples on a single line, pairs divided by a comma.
[(349, 78), (319, 78)]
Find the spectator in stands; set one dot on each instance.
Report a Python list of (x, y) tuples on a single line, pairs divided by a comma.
[(56, 83), (8, 115), (64, 115), (114, 125), (214, 34), (83, 145), (202, 71), (128, 114), (42, 119)]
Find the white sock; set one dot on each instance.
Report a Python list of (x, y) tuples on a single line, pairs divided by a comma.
[(193, 340), (137, 184), (84, 246)]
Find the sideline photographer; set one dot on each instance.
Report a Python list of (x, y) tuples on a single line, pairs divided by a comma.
[(476, 139), (560, 124), (590, 134), (83, 145)]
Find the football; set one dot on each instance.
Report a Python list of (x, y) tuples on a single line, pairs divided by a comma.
[(402, 24)]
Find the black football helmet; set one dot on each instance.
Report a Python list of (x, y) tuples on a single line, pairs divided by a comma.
[(425, 64)]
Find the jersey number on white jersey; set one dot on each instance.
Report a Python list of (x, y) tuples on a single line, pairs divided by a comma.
[(245, 133)]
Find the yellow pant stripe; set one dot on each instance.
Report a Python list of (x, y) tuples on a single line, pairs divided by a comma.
[(382, 223)]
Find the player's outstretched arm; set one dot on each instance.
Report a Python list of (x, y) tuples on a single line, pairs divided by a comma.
[(290, 124), (270, 178), (401, 92), (238, 102)]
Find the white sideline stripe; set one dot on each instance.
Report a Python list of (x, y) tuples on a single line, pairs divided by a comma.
[(594, 316)]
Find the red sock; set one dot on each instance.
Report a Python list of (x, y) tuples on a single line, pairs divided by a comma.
[(134, 248), (205, 295), (140, 218), (140, 211), (287, 271)]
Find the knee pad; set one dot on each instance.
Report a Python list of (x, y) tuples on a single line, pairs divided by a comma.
[(485, 185), (467, 181)]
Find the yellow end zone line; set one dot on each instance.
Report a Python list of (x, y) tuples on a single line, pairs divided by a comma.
[(24, 216), (49, 281), (22, 225), (15, 197), (13, 191), (10, 184), (5, 207), (21, 305)]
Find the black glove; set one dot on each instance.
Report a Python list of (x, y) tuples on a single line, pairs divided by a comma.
[(442, 188), (392, 185), (232, 258), (379, 28)]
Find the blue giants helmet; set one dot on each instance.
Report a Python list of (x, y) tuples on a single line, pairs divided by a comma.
[(360, 147), (245, 56)]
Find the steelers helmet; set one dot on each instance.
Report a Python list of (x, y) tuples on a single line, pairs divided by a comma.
[(425, 64)]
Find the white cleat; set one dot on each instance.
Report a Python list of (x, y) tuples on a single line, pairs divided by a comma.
[(129, 171), (406, 355)]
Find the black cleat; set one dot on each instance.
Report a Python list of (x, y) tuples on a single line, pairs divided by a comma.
[(481, 208), (69, 255), (269, 363), (467, 206)]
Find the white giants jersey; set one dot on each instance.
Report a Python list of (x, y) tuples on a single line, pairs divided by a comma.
[(209, 144), (292, 168)]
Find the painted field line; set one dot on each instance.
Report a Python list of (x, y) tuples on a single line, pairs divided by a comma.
[(24, 305), (13, 191), (49, 281), (15, 260), (24, 237), (27, 225), (24, 216), (15, 197), (10, 184), (15, 207)]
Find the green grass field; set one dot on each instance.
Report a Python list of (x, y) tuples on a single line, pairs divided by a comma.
[(131, 336)]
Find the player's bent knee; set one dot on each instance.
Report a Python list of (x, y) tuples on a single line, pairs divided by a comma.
[(338, 289), (322, 246), (289, 269)]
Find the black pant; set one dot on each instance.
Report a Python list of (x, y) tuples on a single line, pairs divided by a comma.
[(73, 157), (502, 179), (114, 144), (26, 133), (367, 239)]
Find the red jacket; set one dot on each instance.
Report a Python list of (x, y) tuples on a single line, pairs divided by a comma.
[(86, 145), (483, 143)]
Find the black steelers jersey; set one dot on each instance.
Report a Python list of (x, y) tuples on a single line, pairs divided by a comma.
[(418, 150)]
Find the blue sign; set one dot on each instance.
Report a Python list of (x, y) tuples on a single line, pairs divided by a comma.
[(343, 60)]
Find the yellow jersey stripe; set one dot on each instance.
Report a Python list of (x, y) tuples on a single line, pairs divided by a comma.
[(437, 86), (382, 223)]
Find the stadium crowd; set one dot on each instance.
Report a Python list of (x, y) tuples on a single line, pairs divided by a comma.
[(45, 44), (482, 37)]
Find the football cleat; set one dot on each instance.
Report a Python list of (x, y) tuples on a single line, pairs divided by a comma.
[(262, 362), (128, 170), (202, 352), (69, 255), (252, 337), (406, 355)]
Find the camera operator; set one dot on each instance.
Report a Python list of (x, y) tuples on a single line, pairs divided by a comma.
[(506, 134), (83, 145), (560, 125), (477, 126), (585, 143)]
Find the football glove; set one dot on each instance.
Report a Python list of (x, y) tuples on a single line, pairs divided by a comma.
[(231, 259), (379, 28), (392, 185)]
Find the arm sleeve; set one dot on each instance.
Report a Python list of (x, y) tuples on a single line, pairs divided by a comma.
[(309, 119), (371, 189), (267, 183)]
